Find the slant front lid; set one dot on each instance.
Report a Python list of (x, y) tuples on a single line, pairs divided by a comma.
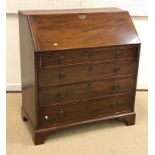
[(72, 29)]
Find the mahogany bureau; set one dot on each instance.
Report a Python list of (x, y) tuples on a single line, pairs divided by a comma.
[(77, 67)]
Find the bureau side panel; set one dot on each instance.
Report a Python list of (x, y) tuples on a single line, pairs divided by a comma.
[(138, 60), (28, 74)]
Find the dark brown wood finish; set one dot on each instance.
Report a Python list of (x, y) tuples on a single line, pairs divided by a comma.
[(77, 68), (50, 33), (28, 72), (84, 110), (87, 71), (47, 60), (85, 90)]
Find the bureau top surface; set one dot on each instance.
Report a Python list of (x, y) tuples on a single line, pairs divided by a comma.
[(74, 29)]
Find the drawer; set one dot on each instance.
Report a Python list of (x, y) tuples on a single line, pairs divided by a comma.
[(90, 109), (79, 56), (80, 91), (84, 72)]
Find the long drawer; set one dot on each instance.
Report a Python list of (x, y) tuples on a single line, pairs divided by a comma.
[(73, 112), (78, 56), (84, 72), (85, 90)]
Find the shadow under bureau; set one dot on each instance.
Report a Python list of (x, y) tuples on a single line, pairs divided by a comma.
[(77, 67)]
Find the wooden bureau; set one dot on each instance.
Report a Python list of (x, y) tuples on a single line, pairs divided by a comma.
[(77, 67)]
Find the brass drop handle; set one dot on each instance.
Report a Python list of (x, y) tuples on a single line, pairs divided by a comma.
[(90, 68), (89, 86), (117, 54), (61, 59), (114, 103), (115, 87), (61, 76), (62, 93), (61, 114), (117, 68)]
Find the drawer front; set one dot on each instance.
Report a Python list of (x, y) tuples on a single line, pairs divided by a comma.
[(74, 92), (74, 112), (79, 56), (84, 72)]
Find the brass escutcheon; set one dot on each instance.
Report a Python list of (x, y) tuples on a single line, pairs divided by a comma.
[(82, 16)]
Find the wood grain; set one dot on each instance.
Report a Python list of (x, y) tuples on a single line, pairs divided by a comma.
[(63, 58), (85, 72), (79, 91), (77, 68), (28, 72), (85, 110), (68, 31)]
